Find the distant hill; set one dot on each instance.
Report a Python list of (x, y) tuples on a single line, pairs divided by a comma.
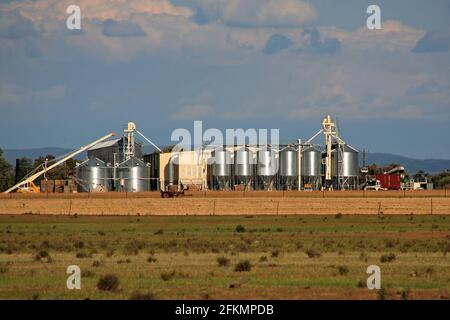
[(381, 159), (411, 165)]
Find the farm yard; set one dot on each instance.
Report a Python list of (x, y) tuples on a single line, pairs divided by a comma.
[(244, 256)]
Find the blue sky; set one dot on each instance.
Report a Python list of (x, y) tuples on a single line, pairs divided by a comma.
[(231, 63)]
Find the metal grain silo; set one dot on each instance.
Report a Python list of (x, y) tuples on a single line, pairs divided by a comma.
[(311, 167), (288, 168), (93, 175), (267, 162), (134, 176), (345, 161), (222, 163), (311, 162), (288, 162), (243, 167), (266, 168), (243, 162), (221, 168), (345, 166)]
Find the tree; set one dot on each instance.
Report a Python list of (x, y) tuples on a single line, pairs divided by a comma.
[(441, 180), (420, 175), (25, 167), (6, 173), (61, 172)]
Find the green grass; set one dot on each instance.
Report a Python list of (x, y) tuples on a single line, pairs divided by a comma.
[(190, 246)]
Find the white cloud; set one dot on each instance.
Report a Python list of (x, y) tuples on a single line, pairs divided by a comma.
[(394, 36), (55, 10), (257, 13)]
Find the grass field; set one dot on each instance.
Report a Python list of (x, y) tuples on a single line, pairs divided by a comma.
[(195, 257)]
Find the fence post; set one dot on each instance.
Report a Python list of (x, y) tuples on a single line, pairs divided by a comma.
[(214, 208), (70, 206), (431, 205), (278, 207)]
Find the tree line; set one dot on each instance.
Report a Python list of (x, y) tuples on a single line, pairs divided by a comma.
[(26, 165)]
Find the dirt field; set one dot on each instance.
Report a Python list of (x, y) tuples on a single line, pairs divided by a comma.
[(230, 203)]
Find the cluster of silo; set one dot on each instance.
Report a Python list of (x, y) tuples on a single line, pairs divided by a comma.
[(264, 168), (233, 168), (94, 175), (133, 176)]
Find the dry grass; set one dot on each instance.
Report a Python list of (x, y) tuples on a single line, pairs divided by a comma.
[(187, 252)]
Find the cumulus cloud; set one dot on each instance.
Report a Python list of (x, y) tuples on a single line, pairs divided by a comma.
[(433, 41), (277, 42), (14, 25), (394, 36), (243, 32), (113, 28), (426, 87), (51, 10), (321, 45), (255, 13)]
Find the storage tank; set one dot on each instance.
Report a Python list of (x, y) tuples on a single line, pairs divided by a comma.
[(311, 168), (222, 163), (243, 167), (221, 169), (288, 168), (134, 176), (266, 168), (267, 163), (93, 175), (243, 162), (345, 163), (311, 162), (288, 162)]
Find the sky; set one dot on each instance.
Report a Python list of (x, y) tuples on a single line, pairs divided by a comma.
[(280, 64)]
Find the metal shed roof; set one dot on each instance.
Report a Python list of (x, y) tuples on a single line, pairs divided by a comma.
[(105, 144)]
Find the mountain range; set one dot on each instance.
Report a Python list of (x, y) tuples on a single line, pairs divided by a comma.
[(381, 159)]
